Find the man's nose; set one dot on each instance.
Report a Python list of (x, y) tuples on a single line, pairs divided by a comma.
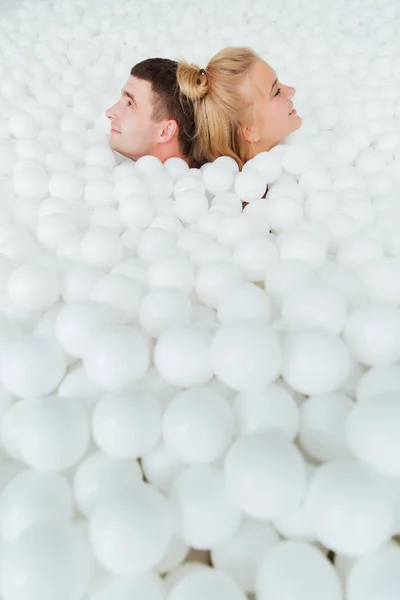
[(111, 112)]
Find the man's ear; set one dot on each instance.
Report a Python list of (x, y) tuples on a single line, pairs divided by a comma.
[(168, 130)]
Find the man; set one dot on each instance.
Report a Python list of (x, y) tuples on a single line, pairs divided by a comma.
[(152, 117)]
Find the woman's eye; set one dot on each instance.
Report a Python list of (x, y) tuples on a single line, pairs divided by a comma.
[(278, 92)]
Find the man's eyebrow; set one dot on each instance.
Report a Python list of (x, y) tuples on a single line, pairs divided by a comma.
[(125, 93), (273, 85)]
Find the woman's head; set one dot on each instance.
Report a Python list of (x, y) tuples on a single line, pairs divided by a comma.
[(241, 109)]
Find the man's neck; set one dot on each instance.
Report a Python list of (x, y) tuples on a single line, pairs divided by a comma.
[(166, 151)]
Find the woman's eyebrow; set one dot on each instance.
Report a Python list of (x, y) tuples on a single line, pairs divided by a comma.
[(273, 85)]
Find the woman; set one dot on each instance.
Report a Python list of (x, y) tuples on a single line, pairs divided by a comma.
[(240, 107)]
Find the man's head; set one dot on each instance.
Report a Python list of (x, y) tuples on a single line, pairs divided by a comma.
[(152, 117)]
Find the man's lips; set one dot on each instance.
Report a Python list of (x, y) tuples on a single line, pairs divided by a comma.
[(113, 130)]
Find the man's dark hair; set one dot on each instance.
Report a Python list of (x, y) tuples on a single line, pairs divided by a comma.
[(169, 102)]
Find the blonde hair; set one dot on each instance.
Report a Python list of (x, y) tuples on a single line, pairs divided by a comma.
[(220, 105)]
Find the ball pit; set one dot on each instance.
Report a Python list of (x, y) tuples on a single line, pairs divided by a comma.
[(199, 384)]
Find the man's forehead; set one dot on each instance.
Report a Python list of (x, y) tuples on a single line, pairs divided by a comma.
[(139, 87)]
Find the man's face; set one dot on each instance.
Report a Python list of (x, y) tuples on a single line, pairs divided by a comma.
[(133, 132)]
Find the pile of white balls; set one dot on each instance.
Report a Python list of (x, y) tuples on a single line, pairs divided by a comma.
[(199, 401)]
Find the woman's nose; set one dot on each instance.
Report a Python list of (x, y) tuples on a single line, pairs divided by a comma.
[(291, 92)]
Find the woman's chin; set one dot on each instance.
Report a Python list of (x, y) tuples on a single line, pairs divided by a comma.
[(297, 122)]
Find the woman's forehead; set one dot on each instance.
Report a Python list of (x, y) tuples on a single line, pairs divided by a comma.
[(263, 76), (259, 81)]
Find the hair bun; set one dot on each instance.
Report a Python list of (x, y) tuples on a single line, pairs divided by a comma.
[(192, 81)]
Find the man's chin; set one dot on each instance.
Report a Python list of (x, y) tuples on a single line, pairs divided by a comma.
[(113, 142)]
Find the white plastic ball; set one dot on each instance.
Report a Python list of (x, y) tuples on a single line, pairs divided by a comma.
[(100, 474), (148, 164), (351, 507), (381, 280), (56, 161), (315, 305), (202, 512), (8, 158), (250, 184), (227, 202), (130, 531), (190, 205), (269, 164), (182, 356), (283, 277), (315, 361), (119, 292), (101, 247), (269, 407), (304, 246), (265, 475), (359, 249), (375, 575), (176, 167), (66, 186), (116, 357), (50, 433), (320, 205), (100, 156), (127, 423), (31, 183), (186, 183), (54, 230), (247, 301), (31, 497), (297, 570), (198, 426), (128, 186), (161, 468), (254, 257), (245, 355), (218, 178), (378, 380), (162, 308), (322, 426), (78, 322), (215, 280), (33, 287), (32, 366), (207, 583), (136, 212), (31, 568), (23, 126), (372, 428), (171, 272), (283, 212), (296, 525), (297, 159), (372, 333), (229, 161), (148, 586), (240, 555)]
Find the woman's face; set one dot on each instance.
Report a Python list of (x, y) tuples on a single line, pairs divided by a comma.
[(271, 118)]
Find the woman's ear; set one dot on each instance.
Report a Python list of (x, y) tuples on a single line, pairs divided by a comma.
[(250, 134), (169, 129)]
